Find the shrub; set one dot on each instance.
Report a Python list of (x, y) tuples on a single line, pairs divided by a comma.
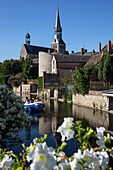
[(40, 82), (12, 115)]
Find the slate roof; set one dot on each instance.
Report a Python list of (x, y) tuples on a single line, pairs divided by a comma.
[(85, 53), (31, 49), (94, 59), (97, 56), (62, 58)]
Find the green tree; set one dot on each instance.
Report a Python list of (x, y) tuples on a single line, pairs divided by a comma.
[(26, 67), (16, 80), (10, 67), (82, 78), (33, 72), (16, 66), (65, 80), (105, 69)]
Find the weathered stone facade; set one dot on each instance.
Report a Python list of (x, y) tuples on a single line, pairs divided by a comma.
[(93, 101), (45, 60)]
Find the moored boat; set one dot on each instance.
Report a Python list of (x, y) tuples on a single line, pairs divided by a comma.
[(34, 107)]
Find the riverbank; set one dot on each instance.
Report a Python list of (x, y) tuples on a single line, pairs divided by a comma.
[(95, 99)]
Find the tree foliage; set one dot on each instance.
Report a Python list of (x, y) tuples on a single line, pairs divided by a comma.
[(81, 81), (40, 82), (17, 71), (11, 67), (12, 115), (105, 69), (15, 81), (82, 78)]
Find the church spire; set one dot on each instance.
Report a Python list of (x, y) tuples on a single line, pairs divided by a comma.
[(58, 26), (58, 44)]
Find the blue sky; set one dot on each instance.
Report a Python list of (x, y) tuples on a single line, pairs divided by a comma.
[(84, 23)]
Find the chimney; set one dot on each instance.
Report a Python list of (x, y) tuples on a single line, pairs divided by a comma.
[(99, 47), (82, 51), (85, 50), (109, 46), (72, 52), (49, 51), (93, 51)]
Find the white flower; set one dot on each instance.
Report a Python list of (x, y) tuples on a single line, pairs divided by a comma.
[(104, 159), (95, 160), (60, 155), (65, 129), (78, 155), (100, 132), (91, 159), (64, 165), (74, 165), (101, 143), (6, 162), (100, 136), (41, 158)]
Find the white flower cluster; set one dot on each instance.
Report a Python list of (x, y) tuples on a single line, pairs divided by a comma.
[(93, 160), (65, 129), (42, 157), (100, 136), (6, 162), (12, 115)]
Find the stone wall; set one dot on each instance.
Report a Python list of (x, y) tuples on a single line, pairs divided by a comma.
[(17, 89), (26, 88), (29, 88), (93, 101), (45, 65)]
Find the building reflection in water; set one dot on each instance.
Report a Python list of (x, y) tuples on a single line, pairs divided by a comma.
[(56, 111), (96, 118)]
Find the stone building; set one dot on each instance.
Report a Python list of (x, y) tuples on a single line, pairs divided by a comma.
[(62, 64), (58, 44), (96, 58), (56, 60), (31, 50)]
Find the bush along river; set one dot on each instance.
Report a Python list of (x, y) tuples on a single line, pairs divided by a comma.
[(48, 121)]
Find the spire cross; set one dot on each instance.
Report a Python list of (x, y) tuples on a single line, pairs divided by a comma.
[(57, 3)]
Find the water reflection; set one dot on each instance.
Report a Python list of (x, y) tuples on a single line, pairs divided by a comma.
[(95, 118), (52, 118)]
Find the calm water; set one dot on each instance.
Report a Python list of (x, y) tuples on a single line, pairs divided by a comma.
[(49, 120)]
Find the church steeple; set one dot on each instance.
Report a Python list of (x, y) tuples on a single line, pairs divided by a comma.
[(27, 39), (58, 44), (58, 26)]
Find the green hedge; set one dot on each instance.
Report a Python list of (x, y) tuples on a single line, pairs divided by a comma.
[(40, 82), (4, 79)]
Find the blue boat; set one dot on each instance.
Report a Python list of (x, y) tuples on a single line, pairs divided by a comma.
[(34, 107)]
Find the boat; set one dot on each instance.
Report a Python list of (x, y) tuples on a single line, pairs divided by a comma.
[(34, 107)]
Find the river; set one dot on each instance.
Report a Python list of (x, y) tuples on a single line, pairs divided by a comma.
[(48, 121)]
